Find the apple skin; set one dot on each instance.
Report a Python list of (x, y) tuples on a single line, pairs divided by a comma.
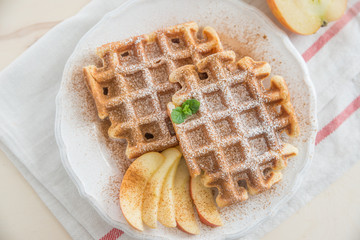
[(181, 229), (333, 12), (184, 209), (201, 194), (133, 186), (275, 10), (206, 222)]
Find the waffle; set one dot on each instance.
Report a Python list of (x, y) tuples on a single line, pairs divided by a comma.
[(234, 138), (132, 87)]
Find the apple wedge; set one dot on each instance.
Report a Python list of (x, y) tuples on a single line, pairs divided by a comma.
[(133, 185), (166, 212), (306, 16), (184, 210), (154, 186), (204, 203)]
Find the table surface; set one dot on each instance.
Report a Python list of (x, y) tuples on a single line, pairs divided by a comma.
[(333, 214)]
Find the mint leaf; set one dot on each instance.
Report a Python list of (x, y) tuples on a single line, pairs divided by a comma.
[(187, 111), (188, 108), (193, 104), (177, 115)]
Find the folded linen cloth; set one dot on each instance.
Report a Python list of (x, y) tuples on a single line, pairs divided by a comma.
[(29, 85)]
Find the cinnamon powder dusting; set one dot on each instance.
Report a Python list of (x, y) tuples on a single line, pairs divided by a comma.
[(114, 150)]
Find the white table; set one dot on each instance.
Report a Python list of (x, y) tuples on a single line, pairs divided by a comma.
[(334, 214)]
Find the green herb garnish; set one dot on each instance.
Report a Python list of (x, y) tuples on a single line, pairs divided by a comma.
[(188, 108)]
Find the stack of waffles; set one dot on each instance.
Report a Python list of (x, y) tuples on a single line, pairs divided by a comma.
[(234, 139)]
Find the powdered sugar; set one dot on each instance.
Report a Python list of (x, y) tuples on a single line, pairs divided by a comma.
[(255, 131), (140, 67), (88, 158)]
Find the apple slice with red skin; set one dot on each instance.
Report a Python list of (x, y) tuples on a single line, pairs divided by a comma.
[(204, 202), (133, 186), (306, 16), (184, 210)]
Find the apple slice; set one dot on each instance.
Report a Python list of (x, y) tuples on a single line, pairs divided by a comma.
[(306, 16), (166, 212), (153, 188), (133, 185), (204, 203), (184, 210)]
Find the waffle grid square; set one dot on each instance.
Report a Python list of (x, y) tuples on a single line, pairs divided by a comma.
[(134, 78), (234, 150)]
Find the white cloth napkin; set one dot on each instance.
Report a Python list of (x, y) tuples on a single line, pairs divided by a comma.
[(27, 113)]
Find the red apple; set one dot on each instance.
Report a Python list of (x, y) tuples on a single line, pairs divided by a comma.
[(204, 203), (306, 16)]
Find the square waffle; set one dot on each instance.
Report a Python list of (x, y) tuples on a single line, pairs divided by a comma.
[(132, 88), (234, 138)]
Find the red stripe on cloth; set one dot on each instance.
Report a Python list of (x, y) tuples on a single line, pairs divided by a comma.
[(322, 134), (337, 121), (331, 32), (112, 235)]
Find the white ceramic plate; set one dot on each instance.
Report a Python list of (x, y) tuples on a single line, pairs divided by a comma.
[(97, 163)]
